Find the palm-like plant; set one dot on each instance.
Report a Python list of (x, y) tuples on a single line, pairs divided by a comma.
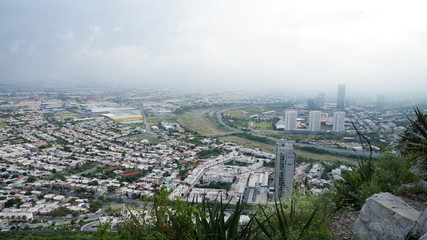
[(212, 224), (413, 143), (302, 217)]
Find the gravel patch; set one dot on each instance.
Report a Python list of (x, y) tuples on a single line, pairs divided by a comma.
[(341, 224)]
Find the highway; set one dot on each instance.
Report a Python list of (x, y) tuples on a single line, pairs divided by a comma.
[(261, 134), (89, 227)]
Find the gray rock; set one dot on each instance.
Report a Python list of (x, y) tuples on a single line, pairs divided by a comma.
[(420, 227), (424, 237), (384, 216), (421, 184)]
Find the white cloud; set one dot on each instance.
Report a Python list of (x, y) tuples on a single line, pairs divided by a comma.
[(284, 43), (117, 29), (16, 47), (96, 35), (68, 35)]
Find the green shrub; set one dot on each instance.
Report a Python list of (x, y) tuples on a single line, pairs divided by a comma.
[(212, 224), (386, 174), (165, 219), (302, 217)]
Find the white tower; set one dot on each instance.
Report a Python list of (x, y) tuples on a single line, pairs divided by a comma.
[(314, 120), (290, 120), (284, 169), (339, 119)]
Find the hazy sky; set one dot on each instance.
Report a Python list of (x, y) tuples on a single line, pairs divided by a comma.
[(379, 46)]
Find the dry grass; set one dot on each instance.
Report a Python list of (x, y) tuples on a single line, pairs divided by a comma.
[(326, 157), (153, 121), (64, 114), (196, 121), (270, 148)]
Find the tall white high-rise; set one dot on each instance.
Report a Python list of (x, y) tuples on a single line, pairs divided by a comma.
[(339, 120), (314, 124), (284, 169), (341, 96), (290, 120)]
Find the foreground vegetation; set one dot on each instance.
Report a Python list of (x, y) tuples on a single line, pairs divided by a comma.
[(302, 217), (387, 174)]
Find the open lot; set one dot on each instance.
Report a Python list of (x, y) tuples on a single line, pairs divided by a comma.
[(262, 126), (64, 114), (197, 121), (237, 113), (153, 121), (326, 128), (270, 148)]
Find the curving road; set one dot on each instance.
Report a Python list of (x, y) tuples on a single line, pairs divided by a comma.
[(89, 227), (261, 134)]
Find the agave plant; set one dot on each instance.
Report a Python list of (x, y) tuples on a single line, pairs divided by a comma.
[(212, 223), (349, 189), (413, 143), (300, 218)]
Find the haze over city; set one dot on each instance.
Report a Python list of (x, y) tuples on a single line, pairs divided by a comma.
[(375, 47), (190, 119)]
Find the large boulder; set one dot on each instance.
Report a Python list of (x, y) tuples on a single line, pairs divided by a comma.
[(384, 216), (420, 227)]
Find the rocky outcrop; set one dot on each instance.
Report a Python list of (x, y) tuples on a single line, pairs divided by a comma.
[(385, 216), (420, 227)]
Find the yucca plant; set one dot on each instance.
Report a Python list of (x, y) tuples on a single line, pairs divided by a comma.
[(413, 143), (138, 227), (298, 218), (181, 220), (165, 219), (102, 232), (349, 191), (212, 223)]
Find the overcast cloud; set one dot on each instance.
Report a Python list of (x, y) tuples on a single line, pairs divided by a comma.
[(376, 45)]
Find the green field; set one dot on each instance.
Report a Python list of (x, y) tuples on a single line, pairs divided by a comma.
[(64, 114), (197, 121), (2, 125), (322, 157), (270, 148), (254, 111), (262, 126), (216, 123), (154, 121), (326, 128), (300, 137), (238, 123), (237, 113)]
